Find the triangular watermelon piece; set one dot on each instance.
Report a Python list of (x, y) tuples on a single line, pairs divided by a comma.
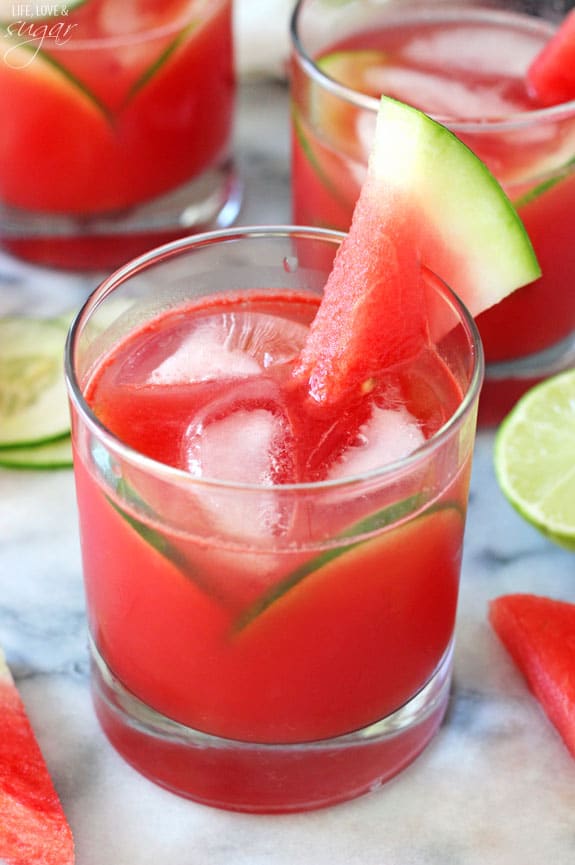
[(33, 827), (427, 201), (551, 76), (539, 634)]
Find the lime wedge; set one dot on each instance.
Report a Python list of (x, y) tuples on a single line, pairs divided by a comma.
[(535, 457)]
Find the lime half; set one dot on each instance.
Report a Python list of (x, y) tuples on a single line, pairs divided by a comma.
[(535, 457)]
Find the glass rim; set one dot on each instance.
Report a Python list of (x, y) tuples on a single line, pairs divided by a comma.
[(511, 122), (172, 474), (104, 42)]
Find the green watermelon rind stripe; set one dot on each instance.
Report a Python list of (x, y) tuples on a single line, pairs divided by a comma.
[(470, 215)]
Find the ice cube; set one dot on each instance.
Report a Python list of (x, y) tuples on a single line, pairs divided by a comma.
[(480, 50), (388, 435), (243, 439), (238, 448), (442, 95), (236, 344)]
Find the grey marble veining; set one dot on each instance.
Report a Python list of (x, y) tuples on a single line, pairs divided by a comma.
[(496, 787)]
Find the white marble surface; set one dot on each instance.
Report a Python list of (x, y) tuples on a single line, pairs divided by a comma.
[(496, 787)]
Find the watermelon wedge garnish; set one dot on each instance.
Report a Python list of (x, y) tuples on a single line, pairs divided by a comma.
[(33, 826), (539, 634), (427, 201), (551, 75)]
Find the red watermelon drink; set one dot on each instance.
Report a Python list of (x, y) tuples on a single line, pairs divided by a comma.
[(273, 431), (466, 65), (116, 130), (271, 587)]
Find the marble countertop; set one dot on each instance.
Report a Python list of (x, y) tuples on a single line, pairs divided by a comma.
[(496, 786)]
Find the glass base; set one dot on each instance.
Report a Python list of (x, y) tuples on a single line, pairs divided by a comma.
[(250, 777), (103, 242), (506, 382)]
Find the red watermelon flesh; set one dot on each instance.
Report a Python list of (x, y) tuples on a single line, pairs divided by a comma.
[(539, 634), (33, 827), (372, 313), (551, 76)]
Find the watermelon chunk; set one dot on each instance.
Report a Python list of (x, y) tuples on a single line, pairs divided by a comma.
[(33, 826), (551, 76), (539, 633), (427, 201)]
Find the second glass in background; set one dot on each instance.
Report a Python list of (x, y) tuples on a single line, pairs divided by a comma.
[(116, 130), (464, 63)]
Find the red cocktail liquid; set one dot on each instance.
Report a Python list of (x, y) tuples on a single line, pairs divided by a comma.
[(201, 614)]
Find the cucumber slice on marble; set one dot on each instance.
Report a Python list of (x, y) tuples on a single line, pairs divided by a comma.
[(55, 454), (33, 398)]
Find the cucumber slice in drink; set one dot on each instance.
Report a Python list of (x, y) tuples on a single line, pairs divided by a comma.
[(543, 187), (33, 398), (47, 455), (161, 61), (354, 68), (373, 522), (353, 565), (22, 54)]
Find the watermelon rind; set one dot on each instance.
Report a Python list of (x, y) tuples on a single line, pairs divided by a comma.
[(476, 241)]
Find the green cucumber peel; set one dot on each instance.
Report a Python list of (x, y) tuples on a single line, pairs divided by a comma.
[(153, 537), (56, 454), (150, 535), (160, 61), (313, 160), (372, 523), (37, 54), (545, 185)]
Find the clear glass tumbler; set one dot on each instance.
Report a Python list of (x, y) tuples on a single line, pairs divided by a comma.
[(464, 63), (260, 646), (116, 131)]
